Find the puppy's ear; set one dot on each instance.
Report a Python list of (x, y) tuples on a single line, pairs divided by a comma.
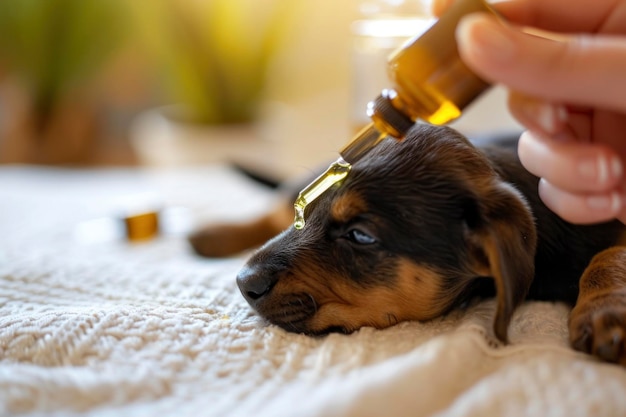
[(503, 238)]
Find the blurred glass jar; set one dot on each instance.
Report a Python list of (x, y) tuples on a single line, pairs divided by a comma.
[(380, 28)]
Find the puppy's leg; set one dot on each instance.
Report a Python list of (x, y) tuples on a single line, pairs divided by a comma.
[(219, 240), (226, 239), (597, 324)]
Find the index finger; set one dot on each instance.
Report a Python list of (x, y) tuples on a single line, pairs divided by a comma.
[(558, 15)]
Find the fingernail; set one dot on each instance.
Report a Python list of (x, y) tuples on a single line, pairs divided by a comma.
[(600, 169), (482, 36), (612, 203), (616, 167), (550, 117)]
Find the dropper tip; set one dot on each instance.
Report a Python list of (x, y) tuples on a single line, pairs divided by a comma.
[(334, 174)]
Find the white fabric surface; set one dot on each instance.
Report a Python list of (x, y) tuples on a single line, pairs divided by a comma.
[(112, 329)]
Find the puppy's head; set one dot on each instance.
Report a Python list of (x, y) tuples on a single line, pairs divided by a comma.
[(408, 235)]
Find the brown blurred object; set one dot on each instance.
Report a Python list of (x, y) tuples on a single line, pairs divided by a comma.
[(86, 126), (59, 103), (66, 135)]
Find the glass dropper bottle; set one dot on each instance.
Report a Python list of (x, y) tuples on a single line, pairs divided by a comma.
[(429, 82)]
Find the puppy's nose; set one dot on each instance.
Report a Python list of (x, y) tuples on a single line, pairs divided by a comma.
[(254, 284)]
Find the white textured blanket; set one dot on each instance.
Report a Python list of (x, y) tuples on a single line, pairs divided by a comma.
[(119, 329)]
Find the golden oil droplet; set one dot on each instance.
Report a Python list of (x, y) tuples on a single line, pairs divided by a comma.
[(335, 173), (298, 221)]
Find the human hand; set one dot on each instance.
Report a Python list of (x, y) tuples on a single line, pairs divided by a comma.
[(569, 91)]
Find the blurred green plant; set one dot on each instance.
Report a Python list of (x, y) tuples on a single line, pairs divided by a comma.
[(213, 55), (51, 46)]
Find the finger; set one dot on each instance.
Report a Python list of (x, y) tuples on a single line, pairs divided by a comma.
[(539, 115), (438, 7), (556, 15), (551, 119), (560, 16), (572, 166), (582, 209), (579, 70)]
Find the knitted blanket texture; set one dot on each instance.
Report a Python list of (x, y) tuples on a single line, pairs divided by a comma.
[(112, 328)]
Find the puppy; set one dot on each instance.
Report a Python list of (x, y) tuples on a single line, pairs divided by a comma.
[(418, 228)]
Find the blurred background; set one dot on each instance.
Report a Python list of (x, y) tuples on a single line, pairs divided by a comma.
[(279, 84)]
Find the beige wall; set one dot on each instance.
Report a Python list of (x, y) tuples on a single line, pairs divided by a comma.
[(307, 117)]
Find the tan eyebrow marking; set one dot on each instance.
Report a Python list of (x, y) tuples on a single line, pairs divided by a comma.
[(347, 206)]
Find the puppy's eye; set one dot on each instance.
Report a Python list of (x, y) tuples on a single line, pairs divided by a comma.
[(360, 237)]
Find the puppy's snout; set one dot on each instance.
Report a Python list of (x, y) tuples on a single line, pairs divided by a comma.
[(255, 284)]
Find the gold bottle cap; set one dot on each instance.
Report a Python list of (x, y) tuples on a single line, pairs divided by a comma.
[(142, 226)]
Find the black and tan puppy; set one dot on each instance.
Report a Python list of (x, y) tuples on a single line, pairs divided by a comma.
[(418, 228)]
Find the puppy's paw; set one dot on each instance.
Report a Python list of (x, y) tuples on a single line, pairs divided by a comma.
[(598, 327)]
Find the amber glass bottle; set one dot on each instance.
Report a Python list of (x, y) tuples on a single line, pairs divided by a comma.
[(428, 82)]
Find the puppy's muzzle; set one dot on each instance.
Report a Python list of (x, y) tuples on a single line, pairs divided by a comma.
[(289, 310), (255, 284)]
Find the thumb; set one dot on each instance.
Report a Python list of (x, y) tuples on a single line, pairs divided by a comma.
[(588, 70)]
